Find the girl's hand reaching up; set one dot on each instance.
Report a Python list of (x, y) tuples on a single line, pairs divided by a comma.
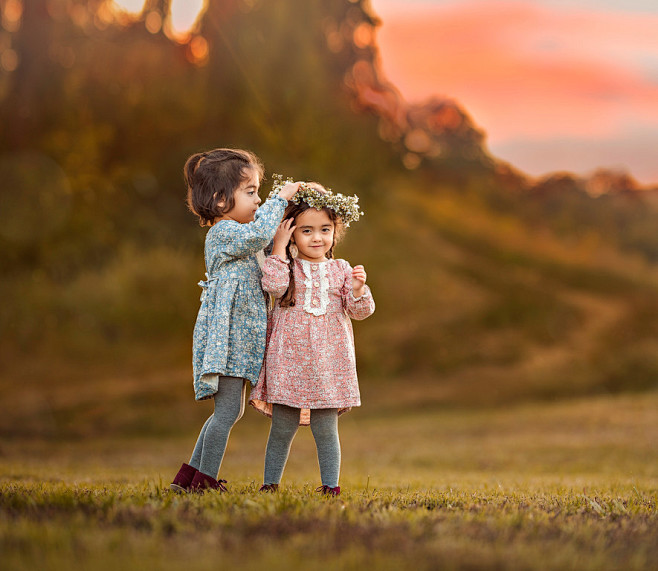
[(282, 237), (289, 190), (358, 281)]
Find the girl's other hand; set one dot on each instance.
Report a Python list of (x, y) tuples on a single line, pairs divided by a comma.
[(289, 190), (358, 281), (282, 237)]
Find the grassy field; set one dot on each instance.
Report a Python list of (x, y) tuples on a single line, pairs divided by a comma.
[(564, 485)]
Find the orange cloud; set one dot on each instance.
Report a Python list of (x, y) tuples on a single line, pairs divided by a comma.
[(524, 70)]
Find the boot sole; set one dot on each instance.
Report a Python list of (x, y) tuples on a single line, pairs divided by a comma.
[(178, 489)]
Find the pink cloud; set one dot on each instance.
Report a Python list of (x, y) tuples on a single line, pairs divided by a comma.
[(633, 150), (523, 70)]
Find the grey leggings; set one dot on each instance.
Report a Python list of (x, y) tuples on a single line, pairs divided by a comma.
[(324, 425), (211, 444)]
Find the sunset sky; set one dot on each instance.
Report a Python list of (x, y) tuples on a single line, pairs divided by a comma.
[(556, 84)]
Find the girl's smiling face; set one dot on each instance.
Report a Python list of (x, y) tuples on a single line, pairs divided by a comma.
[(313, 235)]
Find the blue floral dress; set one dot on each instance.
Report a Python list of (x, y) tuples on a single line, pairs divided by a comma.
[(229, 334)]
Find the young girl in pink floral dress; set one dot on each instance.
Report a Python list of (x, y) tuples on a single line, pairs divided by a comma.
[(309, 375)]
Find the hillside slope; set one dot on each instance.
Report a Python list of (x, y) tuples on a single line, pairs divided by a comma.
[(473, 310), (479, 307)]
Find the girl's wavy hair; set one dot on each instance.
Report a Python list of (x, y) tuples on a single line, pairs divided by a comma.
[(293, 211), (213, 177)]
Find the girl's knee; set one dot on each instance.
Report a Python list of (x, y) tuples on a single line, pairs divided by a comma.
[(283, 431), (324, 423), (285, 421), (229, 401)]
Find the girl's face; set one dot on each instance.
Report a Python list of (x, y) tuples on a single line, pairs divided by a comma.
[(313, 235), (246, 199)]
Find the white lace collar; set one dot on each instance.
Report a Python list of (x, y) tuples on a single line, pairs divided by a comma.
[(321, 290)]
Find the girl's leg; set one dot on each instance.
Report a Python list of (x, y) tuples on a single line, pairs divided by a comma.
[(324, 425), (195, 460), (185, 476), (229, 408), (285, 422)]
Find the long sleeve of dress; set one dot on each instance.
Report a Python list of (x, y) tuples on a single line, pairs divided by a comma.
[(241, 240), (276, 275), (356, 307)]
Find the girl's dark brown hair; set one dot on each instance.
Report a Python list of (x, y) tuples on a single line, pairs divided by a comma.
[(293, 211), (213, 177)]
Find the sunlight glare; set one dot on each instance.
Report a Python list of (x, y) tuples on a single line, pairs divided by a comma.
[(184, 13), (133, 6)]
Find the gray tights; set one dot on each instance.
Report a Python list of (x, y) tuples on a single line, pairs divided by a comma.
[(211, 444), (324, 425)]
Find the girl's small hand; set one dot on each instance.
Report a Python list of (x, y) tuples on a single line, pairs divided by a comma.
[(282, 237), (289, 190), (358, 281)]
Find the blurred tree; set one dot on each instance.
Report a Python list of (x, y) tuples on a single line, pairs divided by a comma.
[(118, 106), (26, 106)]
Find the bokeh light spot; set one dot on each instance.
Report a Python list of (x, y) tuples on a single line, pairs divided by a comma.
[(79, 15), (153, 22), (364, 35), (411, 161), (9, 60), (103, 17), (197, 50), (418, 141), (11, 15)]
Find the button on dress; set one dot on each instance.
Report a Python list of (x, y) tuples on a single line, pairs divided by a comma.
[(230, 330), (310, 361)]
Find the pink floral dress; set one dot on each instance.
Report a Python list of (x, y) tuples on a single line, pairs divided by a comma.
[(309, 360)]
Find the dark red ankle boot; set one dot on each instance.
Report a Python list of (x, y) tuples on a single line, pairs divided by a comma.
[(328, 491), (269, 488), (183, 479), (202, 482)]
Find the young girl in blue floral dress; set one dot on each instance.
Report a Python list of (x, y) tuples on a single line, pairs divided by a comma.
[(230, 330)]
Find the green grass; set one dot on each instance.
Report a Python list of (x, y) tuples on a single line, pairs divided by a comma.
[(117, 525), (570, 485)]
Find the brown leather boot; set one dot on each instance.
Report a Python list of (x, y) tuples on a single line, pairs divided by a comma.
[(183, 479), (202, 482)]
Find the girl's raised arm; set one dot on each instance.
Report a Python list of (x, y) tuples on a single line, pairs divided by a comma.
[(241, 240)]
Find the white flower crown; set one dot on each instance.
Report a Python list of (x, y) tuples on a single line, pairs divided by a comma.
[(346, 207)]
